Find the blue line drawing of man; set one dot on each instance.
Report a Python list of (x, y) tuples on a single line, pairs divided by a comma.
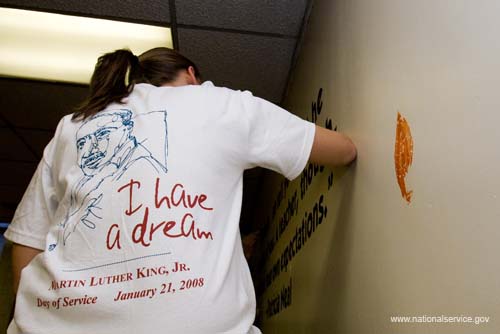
[(106, 149), (105, 144), (95, 140)]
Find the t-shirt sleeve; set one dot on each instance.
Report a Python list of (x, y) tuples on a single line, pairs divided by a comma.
[(35, 212), (277, 139)]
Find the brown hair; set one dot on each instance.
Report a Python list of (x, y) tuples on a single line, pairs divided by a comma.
[(116, 73)]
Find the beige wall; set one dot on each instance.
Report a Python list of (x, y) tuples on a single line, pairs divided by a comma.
[(437, 62)]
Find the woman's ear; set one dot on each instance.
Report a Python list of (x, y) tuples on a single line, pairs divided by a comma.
[(193, 80)]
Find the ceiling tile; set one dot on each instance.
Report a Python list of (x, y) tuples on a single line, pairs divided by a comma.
[(279, 17), (7, 212), (37, 104), (11, 195), (151, 11), (16, 173), (240, 61), (13, 148)]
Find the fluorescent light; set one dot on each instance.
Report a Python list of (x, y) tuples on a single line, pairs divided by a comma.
[(46, 46)]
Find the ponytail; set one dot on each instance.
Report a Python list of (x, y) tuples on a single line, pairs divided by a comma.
[(108, 83), (116, 73)]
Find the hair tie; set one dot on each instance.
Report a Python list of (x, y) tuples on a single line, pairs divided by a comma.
[(134, 61), (127, 74)]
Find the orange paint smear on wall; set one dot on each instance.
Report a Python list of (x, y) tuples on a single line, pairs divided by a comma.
[(403, 155)]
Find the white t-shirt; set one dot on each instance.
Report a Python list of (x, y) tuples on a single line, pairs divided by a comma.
[(137, 210)]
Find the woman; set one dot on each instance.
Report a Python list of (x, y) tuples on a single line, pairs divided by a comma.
[(130, 223)]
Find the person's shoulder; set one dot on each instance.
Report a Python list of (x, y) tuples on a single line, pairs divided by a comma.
[(209, 85), (61, 137), (66, 129), (65, 122), (221, 91)]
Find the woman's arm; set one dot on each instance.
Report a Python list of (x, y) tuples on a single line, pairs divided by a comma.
[(21, 256), (331, 148)]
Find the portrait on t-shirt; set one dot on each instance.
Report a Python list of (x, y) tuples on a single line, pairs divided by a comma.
[(107, 147)]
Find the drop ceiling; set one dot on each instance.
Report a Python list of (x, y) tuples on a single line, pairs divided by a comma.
[(246, 44)]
